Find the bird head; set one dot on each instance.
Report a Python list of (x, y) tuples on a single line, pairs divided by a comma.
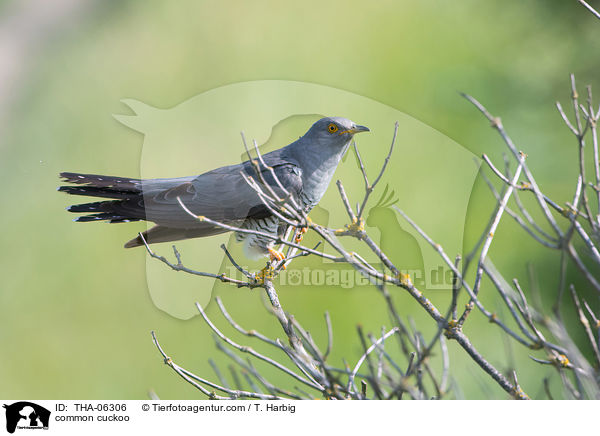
[(332, 131)]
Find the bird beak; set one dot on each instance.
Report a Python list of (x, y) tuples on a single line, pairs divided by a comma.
[(356, 129)]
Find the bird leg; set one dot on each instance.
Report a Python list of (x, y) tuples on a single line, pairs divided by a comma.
[(276, 256), (267, 273)]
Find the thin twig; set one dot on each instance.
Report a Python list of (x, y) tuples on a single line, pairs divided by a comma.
[(365, 355), (589, 8)]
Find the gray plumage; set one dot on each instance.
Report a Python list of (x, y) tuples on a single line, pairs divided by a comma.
[(304, 167)]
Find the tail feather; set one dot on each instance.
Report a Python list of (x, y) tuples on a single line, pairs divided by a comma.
[(93, 185), (105, 216), (94, 191), (99, 181), (121, 190), (96, 207), (126, 204)]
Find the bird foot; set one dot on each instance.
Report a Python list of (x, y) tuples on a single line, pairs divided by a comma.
[(269, 272), (276, 256), (300, 234)]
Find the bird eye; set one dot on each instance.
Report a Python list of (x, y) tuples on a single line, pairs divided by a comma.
[(332, 128)]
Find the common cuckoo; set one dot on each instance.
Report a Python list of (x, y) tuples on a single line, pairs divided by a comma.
[(304, 168)]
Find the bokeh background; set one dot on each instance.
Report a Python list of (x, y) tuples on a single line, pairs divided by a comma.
[(75, 309)]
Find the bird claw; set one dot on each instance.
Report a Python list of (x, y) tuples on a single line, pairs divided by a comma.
[(276, 256), (300, 234)]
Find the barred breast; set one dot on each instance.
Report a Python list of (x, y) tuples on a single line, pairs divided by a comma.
[(257, 246)]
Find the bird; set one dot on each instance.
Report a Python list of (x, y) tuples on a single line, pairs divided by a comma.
[(304, 168)]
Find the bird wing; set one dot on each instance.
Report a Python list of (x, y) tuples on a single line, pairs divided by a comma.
[(222, 195)]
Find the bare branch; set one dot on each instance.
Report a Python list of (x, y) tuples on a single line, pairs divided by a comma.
[(365, 354), (369, 188), (490, 237), (253, 353), (589, 8)]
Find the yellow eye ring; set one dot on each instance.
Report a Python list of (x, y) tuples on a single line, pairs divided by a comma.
[(332, 128)]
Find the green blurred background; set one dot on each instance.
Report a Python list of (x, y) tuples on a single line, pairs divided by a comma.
[(75, 310)]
